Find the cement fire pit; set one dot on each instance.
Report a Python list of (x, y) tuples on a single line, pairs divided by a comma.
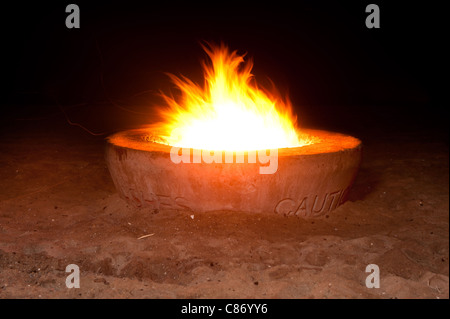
[(310, 180)]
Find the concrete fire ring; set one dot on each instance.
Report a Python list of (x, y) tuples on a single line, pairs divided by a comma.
[(310, 181)]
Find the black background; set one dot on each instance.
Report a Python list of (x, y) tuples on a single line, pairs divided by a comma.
[(339, 74)]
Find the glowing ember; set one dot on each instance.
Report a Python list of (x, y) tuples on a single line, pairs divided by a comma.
[(230, 112)]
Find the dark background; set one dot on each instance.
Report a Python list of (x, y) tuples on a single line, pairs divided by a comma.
[(339, 74)]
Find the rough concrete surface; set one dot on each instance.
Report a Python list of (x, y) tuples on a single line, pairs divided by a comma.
[(307, 181)]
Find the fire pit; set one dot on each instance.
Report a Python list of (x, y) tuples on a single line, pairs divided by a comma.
[(232, 145), (310, 180)]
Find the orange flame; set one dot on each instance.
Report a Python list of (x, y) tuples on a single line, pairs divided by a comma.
[(230, 112)]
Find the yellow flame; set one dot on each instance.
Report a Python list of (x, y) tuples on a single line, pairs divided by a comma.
[(230, 112)]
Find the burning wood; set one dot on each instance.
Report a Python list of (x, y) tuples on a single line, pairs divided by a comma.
[(230, 112)]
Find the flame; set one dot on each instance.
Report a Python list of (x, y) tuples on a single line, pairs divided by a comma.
[(230, 112)]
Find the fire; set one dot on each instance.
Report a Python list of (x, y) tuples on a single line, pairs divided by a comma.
[(230, 112)]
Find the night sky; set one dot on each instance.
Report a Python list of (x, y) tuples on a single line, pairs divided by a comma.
[(338, 73)]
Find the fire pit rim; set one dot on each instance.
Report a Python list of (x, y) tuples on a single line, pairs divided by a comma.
[(329, 142)]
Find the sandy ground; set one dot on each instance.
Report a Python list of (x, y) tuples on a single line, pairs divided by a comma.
[(58, 206)]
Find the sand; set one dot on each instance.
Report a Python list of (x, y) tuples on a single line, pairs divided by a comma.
[(58, 206)]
